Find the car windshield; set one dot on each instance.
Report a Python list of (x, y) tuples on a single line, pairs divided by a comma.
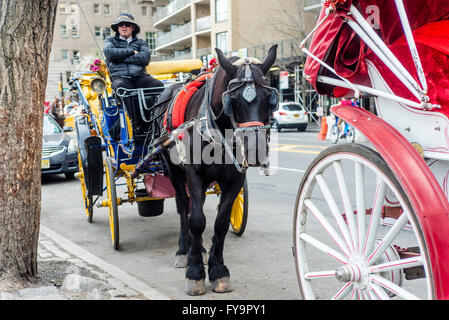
[(50, 126), (292, 107)]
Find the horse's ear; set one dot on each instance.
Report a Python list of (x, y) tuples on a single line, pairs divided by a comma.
[(225, 64), (270, 59)]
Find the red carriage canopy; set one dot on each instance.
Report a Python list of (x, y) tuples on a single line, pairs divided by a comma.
[(339, 46)]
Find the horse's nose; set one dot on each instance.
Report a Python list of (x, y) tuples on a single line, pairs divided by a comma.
[(255, 146)]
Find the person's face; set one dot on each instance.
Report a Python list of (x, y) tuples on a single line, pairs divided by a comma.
[(126, 29)]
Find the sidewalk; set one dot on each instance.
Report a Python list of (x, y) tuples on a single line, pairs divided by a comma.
[(68, 272)]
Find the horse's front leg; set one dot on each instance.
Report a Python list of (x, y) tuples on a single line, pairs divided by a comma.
[(195, 274), (219, 276)]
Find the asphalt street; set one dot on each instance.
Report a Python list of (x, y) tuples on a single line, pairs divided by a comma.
[(260, 262)]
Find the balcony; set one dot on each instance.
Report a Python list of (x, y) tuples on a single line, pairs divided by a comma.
[(203, 24), (180, 36), (203, 52), (310, 5), (175, 12)]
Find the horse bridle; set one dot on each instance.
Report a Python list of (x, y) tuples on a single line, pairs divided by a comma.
[(249, 94)]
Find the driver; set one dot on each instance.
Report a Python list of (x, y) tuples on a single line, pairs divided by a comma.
[(127, 57)]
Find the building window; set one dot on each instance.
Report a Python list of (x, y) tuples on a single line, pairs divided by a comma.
[(73, 7), (221, 10), (222, 41), (107, 9), (65, 55), (63, 29), (76, 56), (62, 8), (97, 8), (75, 32), (145, 11), (150, 38), (98, 32), (106, 32)]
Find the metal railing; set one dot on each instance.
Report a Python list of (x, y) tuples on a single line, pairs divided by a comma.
[(203, 23), (165, 11), (178, 32)]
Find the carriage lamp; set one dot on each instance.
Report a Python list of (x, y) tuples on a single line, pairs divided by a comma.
[(98, 85)]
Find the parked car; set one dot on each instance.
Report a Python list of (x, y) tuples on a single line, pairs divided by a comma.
[(59, 149), (290, 115)]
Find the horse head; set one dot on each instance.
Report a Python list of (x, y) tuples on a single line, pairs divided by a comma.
[(249, 102)]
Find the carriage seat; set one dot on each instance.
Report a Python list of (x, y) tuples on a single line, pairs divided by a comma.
[(432, 41), (175, 114)]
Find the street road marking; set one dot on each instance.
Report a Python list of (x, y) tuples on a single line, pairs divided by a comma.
[(119, 274), (288, 169), (282, 147)]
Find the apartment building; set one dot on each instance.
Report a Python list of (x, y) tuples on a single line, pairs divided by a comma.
[(76, 39), (192, 28)]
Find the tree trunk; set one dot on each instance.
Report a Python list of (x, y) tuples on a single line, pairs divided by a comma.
[(26, 34)]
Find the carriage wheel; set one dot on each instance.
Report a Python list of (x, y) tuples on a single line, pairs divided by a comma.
[(239, 213), (342, 250), (112, 203), (335, 133), (87, 200)]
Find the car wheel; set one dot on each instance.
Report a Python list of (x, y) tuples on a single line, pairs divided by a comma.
[(69, 175)]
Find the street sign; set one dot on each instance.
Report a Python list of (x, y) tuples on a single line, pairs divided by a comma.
[(283, 80)]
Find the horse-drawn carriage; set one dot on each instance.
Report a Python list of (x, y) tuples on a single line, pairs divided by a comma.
[(378, 212), (202, 134), (105, 157)]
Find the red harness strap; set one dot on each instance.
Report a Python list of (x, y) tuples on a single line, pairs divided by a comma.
[(182, 99)]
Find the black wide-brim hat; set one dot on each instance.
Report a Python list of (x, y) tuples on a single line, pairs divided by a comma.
[(125, 17)]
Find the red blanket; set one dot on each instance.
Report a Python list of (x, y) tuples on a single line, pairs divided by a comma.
[(182, 99)]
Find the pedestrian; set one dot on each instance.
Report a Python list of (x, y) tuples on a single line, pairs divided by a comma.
[(56, 112), (127, 57)]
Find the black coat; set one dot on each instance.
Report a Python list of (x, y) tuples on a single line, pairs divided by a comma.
[(121, 59)]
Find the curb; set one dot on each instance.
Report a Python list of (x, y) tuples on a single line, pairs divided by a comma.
[(132, 282)]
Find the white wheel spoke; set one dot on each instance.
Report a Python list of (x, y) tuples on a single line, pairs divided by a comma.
[(355, 293), (370, 294), (319, 274), (322, 247), (343, 292), (346, 202), (326, 225), (379, 292), (397, 265), (360, 202), (334, 209), (389, 237), (375, 218), (390, 286)]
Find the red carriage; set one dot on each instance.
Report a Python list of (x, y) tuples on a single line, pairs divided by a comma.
[(379, 212)]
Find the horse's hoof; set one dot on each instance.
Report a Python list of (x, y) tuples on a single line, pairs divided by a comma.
[(195, 287), (221, 285), (181, 261)]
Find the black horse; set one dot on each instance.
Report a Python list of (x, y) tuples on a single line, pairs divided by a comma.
[(235, 100)]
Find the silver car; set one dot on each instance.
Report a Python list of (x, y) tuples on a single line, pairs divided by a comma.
[(59, 149)]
